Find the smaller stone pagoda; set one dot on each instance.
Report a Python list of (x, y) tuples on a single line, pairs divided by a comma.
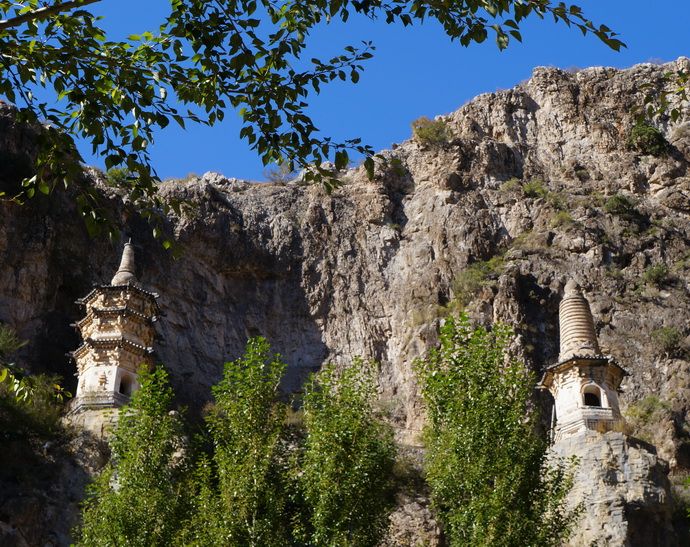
[(118, 334), (584, 383)]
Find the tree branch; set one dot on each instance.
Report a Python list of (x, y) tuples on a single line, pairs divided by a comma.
[(44, 13)]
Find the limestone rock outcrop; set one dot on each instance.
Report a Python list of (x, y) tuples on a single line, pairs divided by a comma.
[(624, 486), (537, 185)]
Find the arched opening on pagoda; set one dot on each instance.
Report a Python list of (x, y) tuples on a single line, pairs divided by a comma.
[(591, 395), (126, 385)]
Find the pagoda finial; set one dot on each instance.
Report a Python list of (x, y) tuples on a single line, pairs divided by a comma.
[(578, 337), (126, 272)]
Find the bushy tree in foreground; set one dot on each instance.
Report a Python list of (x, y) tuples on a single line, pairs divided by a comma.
[(141, 499), (348, 458), (242, 498), (30, 405), (487, 468), (260, 481)]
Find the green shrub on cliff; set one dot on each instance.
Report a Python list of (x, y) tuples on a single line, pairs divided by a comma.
[(431, 132), (622, 206), (668, 341), (535, 188), (647, 139), (487, 469), (656, 275), (468, 282)]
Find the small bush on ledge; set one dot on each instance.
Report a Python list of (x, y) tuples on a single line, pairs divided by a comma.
[(511, 185), (117, 176), (656, 275), (624, 207), (469, 281), (560, 219), (667, 340), (647, 139), (431, 132), (643, 417), (535, 188)]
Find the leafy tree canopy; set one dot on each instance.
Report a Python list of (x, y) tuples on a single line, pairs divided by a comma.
[(246, 426), (205, 59), (348, 458), (250, 478), (486, 465), (140, 497)]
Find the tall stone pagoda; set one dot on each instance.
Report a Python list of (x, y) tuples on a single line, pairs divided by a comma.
[(584, 382), (117, 333)]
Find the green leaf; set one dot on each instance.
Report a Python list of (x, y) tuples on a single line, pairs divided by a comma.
[(341, 160), (369, 166)]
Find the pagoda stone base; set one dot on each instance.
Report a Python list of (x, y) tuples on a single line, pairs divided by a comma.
[(99, 420), (624, 489)]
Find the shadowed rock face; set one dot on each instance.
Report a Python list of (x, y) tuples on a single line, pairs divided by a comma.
[(367, 270)]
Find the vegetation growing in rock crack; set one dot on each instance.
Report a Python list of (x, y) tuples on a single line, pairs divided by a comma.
[(535, 188), (624, 207), (668, 341), (469, 281), (644, 416), (656, 275), (280, 174), (647, 139), (561, 219), (431, 132), (487, 468)]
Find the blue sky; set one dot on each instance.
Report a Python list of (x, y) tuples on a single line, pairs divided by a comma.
[(415, 71)]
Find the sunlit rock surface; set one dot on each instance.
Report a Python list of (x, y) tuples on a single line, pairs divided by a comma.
[(370, 269)]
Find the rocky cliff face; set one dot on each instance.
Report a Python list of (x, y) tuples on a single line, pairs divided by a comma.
[(538, 184), (624, 491)]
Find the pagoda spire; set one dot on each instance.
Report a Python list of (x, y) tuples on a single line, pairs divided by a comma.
[(126, 273), (578, 337)]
